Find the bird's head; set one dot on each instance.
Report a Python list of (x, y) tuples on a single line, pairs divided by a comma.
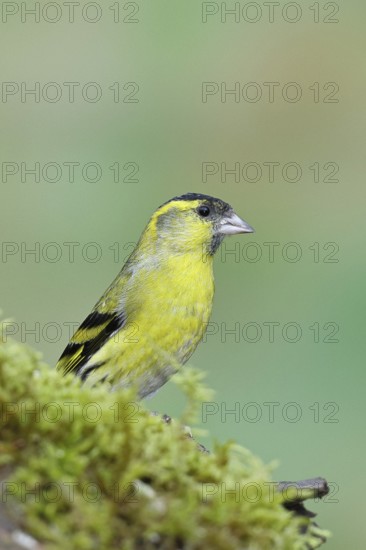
[(194, 222)]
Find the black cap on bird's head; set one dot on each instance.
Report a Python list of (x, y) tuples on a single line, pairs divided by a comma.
[(229, 224), (215, 217)]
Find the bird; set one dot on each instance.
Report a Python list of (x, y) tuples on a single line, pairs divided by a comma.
[(151, 318)]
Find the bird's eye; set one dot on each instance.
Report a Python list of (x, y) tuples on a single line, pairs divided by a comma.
[(203, 211)]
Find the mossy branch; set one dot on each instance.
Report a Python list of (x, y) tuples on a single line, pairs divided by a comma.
[(85, 468)]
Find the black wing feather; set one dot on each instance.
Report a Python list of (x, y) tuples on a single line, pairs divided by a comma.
[(77, 354)]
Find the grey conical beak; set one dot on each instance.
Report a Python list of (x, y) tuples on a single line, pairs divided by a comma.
[(231, 224)]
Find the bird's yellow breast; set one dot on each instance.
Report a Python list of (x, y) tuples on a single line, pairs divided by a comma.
[(180, 299), (170, 306)]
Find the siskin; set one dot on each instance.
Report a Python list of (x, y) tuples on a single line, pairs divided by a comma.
[(150, 320)]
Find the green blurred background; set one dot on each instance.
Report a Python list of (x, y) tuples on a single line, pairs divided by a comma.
[(168, 50)]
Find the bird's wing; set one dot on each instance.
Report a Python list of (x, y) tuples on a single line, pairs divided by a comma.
[(91, 335), (108, 317)]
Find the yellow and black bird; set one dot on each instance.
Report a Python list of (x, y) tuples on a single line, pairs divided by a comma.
[(152, 317)]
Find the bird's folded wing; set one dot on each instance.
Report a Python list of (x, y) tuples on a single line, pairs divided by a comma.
[(91, 335)]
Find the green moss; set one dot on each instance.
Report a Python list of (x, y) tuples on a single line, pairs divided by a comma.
[(85, 468)]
